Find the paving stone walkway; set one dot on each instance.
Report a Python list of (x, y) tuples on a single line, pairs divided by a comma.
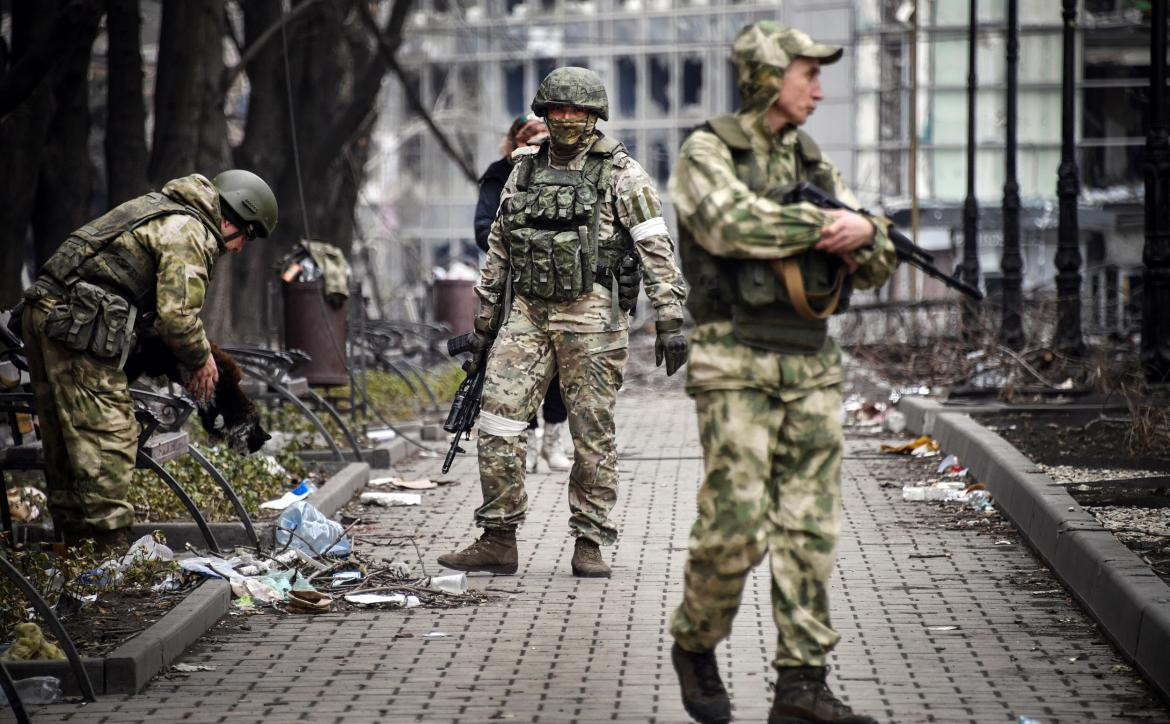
[(939, 622)]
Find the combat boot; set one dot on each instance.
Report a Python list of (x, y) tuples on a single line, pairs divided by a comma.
[(551, 450), (703, 694), (587, 561), (494, 552), (803, 697)]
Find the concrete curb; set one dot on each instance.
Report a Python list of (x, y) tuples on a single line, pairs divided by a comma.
[(127, 669), (1127, 599)]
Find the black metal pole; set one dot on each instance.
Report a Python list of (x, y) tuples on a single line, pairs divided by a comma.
[(1011, 331), (970, 268), (1156, 254), (1068, 250)]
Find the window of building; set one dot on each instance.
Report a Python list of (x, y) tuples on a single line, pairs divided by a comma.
[(659, 71), (627, 85), (692, 82), (544, 66), (514, 92), (734, 100)]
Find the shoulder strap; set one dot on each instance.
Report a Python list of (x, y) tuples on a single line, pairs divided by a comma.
[(808, 147), (524, 166), (606, 146), (730, 132)]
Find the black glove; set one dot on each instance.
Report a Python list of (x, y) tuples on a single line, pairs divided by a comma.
[(670, 345), (482, 338), (629, 283)]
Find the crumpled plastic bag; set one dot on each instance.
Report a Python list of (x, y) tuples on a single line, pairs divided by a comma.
[(30, 643), (314, 532)]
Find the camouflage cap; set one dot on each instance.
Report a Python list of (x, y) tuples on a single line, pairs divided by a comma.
[(572, 86), (764, 50)]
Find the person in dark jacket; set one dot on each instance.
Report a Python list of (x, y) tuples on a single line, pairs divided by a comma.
[(525, 127)]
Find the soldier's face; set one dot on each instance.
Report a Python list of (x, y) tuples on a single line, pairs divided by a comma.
[(229, 230), (569, 125), (800, 90)]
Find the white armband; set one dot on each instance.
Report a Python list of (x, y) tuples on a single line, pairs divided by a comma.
[(501, 426), (650, 227)]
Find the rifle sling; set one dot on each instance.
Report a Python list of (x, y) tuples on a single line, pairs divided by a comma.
[(789, 271)]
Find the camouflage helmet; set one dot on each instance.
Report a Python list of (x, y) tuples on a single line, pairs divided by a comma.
[(764, 50), (246, 201), (572, 86)]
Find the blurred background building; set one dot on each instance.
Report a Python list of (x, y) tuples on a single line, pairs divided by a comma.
[(477, 63)]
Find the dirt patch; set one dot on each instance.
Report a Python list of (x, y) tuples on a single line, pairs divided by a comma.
[(1077, 439), (102, 626), (1127, 491)]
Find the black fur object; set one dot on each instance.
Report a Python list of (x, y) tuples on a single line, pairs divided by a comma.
[(240, 426)]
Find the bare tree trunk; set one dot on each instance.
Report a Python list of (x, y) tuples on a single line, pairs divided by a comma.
[(190, 132), (22, 136), (126, 156), (65, 182)]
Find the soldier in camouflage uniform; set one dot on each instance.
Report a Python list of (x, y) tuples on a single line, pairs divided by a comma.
[(766, 377), (145, 263), (569, 211)]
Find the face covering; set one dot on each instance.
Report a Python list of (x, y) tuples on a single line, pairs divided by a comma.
[(571, 133)]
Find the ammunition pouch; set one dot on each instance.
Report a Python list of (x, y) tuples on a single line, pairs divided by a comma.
[(93, 320)]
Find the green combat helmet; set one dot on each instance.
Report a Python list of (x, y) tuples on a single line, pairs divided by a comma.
[(572, 86), (246, 198)]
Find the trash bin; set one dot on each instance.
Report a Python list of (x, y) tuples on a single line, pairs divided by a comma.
[(456, 304), (319, 329)]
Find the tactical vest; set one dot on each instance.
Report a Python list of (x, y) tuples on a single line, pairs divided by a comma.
[(101, 293), (83, 255), (754, 295), (551, 223)]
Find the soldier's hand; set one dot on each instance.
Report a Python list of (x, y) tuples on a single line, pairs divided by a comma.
[(629, 282), (202, 383), (670, 345), (848, 232), (480, 343)]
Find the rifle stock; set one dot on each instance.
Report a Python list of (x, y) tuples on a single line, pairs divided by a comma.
[(906, 249)]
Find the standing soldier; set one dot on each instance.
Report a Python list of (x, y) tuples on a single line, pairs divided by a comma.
[(765, 375), (570, 211), (145, 263)]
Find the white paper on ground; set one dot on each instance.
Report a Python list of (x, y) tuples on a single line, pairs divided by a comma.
[(373, 599), (391, 499)]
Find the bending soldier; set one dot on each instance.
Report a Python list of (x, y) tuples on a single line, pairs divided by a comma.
[(146, 262), (765, 375), (571, 209)]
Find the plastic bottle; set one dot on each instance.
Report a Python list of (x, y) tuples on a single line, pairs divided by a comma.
[(39, 689), (313, 530)]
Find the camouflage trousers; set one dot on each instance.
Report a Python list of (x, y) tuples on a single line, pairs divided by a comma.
[(523, 360), (88, 430), (772, 484)]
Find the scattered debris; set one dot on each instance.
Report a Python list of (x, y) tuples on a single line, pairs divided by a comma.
[(923, 446), (26, 503), (302, 491), (388, 500), (29, 642), (191, 668), (421, 484)]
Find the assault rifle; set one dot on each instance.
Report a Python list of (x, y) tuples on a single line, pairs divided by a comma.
[(465, 406), (907, 250)]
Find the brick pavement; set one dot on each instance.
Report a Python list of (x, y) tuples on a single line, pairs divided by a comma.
[(559, 649)]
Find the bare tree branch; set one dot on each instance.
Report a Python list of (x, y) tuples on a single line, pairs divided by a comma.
[(388, 51), (250, 53)]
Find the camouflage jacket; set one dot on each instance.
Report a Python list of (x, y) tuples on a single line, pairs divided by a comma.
[(729, 220), (174, 254), (630, 201)]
